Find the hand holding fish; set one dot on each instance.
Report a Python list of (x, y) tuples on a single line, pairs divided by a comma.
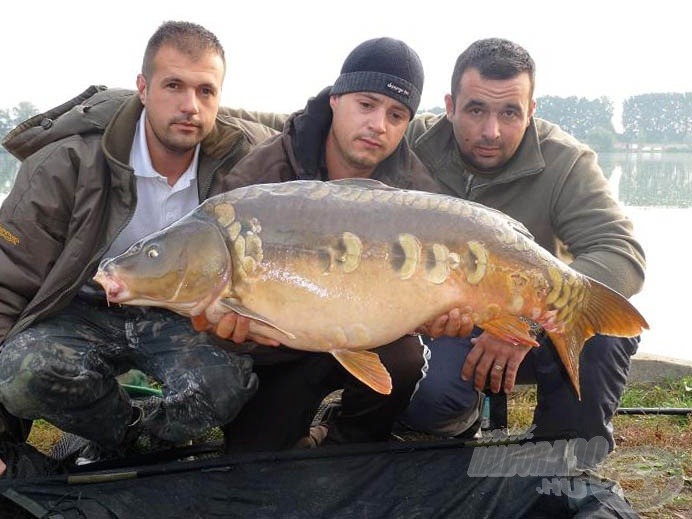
[(233, 327), (453, 324), (494, 358)]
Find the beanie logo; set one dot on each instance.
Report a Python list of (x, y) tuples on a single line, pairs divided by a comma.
[(402, 91)]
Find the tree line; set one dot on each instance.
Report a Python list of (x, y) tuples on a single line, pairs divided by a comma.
[(660, 120)]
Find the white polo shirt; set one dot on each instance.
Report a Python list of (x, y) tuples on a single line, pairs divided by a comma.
[(158, 204)]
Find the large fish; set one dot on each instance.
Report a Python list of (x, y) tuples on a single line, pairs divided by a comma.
[(345, 266)]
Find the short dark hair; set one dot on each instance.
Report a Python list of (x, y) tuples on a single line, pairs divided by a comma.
[(187, 37), (494, 58)]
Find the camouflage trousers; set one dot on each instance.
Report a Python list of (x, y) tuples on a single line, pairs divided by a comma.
[(63, 369)]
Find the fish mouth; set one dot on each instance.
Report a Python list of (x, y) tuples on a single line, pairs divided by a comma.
[(115, 290)]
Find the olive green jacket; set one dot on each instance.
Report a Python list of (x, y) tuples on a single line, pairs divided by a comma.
[(75, 192), (555, 187)]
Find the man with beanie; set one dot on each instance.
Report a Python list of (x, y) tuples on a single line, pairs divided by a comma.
[(353, 129)]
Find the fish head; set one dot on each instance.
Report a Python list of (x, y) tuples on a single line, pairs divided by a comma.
[(183, 268)]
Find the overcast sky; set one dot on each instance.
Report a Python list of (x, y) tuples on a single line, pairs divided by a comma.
[(280, 53)]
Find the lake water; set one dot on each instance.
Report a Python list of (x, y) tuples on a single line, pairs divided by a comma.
[(656, 190)]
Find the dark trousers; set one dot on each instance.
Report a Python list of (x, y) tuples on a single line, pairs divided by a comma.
[(604, 367), (13, 429), (290, 393), (64, 369)]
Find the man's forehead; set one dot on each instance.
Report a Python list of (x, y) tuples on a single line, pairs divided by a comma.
[(378, 98), (171, 60), (515, 90)]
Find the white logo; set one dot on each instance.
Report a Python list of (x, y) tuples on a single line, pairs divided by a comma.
[(398, 89)]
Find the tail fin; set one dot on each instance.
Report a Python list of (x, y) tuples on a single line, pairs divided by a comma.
[(604, 311)]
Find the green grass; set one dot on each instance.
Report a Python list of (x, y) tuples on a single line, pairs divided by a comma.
[(670, 393), (653, 452)]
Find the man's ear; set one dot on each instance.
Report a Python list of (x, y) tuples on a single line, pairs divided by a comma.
[(141, 87), (449, 106), (532, 111)]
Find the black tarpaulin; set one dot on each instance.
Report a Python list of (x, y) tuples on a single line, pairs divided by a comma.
[(369, 481)]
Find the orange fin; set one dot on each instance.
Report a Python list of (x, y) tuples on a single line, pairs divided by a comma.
[(367, 367), (605, 312), (246, 312), (568, 346), (510, 328), (610, 313)]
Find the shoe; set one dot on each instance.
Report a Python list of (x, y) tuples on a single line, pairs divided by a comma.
[(314, 439), (136, 439), (327, 412), (473, 431), (93, 452), (320, 424), (146, 406)]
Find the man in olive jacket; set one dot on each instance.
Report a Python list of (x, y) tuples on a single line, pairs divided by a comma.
[(97, 176), (489, 148), (353, 129)]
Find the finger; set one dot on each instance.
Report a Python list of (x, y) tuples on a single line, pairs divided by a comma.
[(199, 323), (469, 367), (226, 325), (513, 364), (511, 370), (437, 326), (451, 327), (242, 329), (497, 372), (483, 372), (465, 326)]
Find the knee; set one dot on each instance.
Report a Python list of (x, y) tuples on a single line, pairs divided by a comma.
[(228, 391), (35, 379), (612, 350), (18, 369), (404, 361)]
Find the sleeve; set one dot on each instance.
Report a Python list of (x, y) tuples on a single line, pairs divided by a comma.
[(273, 120), (34, 222), (593, 226), (266, 163), (419, 125)]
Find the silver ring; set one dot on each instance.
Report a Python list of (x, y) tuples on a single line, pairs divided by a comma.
[(498, 367)]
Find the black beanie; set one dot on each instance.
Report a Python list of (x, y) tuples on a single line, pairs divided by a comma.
[(386, 66)]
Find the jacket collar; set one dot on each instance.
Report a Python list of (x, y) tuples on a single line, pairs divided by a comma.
[(119, 134), (305, 134), (438, 149)]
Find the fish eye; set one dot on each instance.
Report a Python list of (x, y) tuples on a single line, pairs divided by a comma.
[(152, 252)]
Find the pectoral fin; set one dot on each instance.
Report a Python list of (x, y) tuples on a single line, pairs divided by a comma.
[(510, 328), (367, 367), (245, 312)]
